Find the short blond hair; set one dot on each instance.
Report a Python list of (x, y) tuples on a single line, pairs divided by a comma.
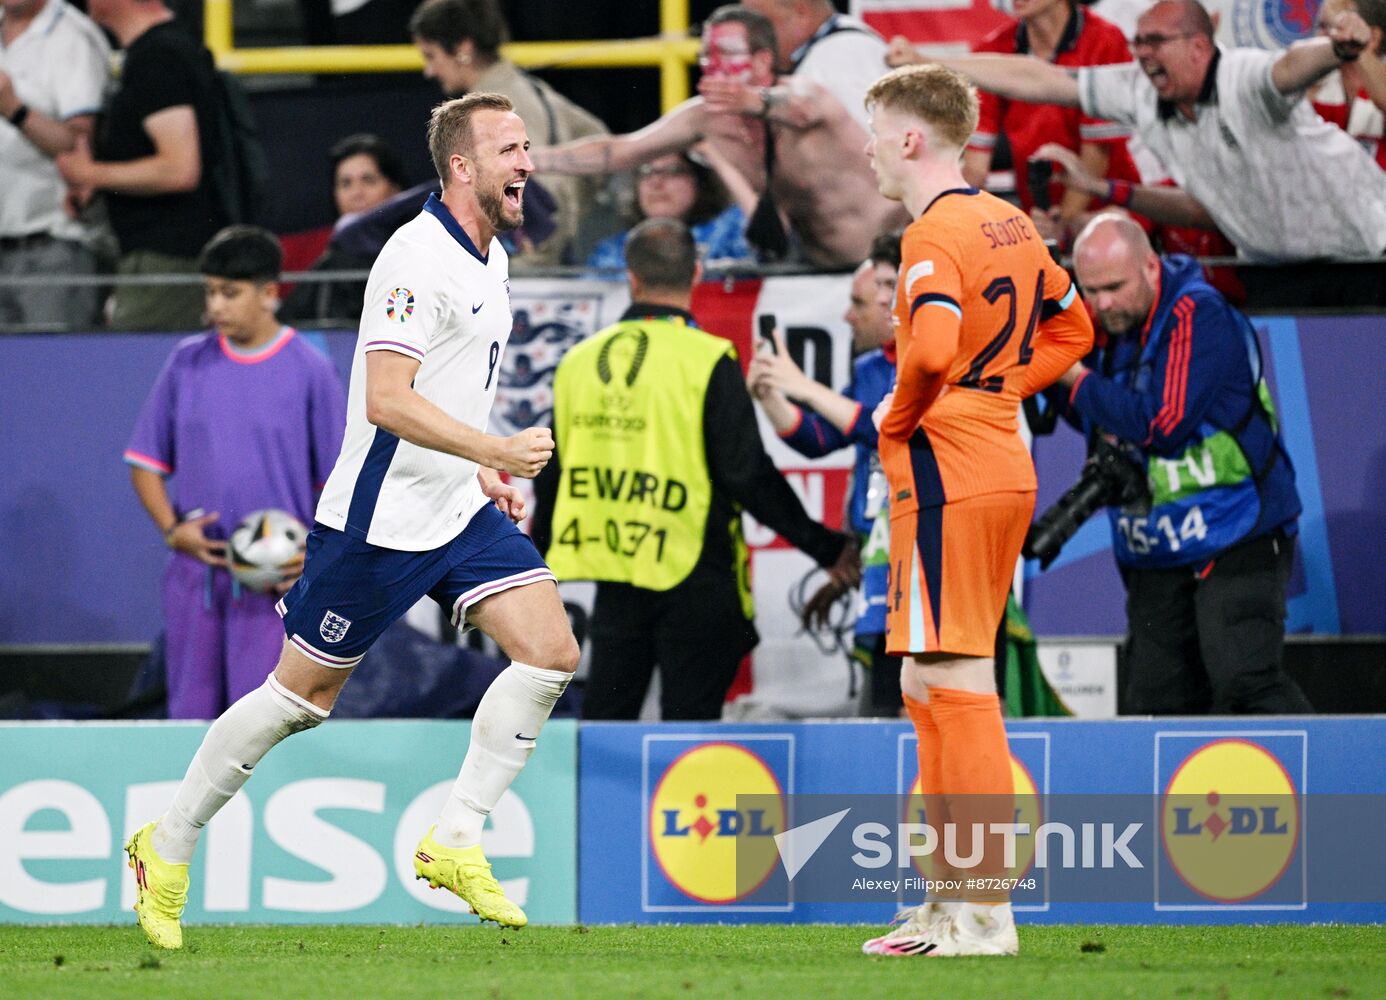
[(450, 127), (936, 95)]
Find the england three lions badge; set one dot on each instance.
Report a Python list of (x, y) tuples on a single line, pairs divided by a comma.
[(333, 628)]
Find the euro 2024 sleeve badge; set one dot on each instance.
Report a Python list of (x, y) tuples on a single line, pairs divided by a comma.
[(399, 305)]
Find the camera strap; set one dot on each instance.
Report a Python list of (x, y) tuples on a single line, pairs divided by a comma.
[(1137, 372), (1257, 404)]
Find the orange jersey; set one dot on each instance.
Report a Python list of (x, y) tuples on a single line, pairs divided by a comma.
[(983, 318)]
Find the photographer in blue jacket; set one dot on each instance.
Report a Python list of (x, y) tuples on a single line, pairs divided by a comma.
[(1186, 455)]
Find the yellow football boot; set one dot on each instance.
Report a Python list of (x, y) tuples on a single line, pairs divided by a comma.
[(161, 890), (465, 872)]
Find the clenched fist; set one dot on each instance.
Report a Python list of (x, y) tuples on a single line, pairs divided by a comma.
[(525, 453)]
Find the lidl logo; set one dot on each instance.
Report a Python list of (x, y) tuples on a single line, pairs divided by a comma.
[(1230, 820), (706, 846)]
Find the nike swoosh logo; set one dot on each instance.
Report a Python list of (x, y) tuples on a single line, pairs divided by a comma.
[(477, 308), (522, 736)]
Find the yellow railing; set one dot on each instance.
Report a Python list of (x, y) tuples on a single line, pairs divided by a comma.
[(672, 52)]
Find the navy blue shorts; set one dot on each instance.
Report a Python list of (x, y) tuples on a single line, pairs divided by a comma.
[(351, 591)]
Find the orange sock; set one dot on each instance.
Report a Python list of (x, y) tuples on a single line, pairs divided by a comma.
[(930, 746), (931, 786), (976, 770), (976, 757)]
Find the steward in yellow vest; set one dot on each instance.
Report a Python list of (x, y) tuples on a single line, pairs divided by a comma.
[(657, 452), (635, 492)]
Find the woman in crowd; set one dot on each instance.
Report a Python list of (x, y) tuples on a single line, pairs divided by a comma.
[(713, 203), (364, 173)]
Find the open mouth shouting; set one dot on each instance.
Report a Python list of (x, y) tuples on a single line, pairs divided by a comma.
[(504, 205), (1157, 74)]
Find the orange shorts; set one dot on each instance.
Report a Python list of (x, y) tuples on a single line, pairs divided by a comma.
[(951, 568)]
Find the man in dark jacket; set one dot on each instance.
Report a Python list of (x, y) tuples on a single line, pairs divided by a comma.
[(1206, 553)]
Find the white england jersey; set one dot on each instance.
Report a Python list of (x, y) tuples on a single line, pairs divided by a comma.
[(431, 296)]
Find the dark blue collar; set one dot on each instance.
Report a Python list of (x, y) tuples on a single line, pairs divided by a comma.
[(1207, 94), (944, 194), (1072, 29), (435, 207)]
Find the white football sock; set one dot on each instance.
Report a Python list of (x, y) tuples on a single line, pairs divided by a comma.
[(507, 722), (987, 918), (234, 744)]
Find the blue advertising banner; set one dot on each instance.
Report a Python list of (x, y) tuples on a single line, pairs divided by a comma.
[(324, 833), (1203, 821), (68, 514), (1319, 369)]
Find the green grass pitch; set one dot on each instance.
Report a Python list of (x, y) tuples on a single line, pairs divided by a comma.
[(783, 963)]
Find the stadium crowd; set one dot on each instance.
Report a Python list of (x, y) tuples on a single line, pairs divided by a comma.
[(130, 175), (1141, 151)]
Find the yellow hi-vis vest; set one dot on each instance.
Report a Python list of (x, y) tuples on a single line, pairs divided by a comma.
[(634, 493)]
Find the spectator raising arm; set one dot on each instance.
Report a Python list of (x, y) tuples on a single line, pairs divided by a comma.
[(606, 154), (798, 104), (1019, 78), (773, 377), (1309, 61), (1373, 71)]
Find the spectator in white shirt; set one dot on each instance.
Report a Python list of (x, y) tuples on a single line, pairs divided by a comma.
[(53, 66), (1247, 151), (815, 42)]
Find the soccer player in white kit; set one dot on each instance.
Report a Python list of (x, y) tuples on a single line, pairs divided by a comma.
[(414, 506)]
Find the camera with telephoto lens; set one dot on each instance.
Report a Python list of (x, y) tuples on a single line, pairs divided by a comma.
[(1113, 476)]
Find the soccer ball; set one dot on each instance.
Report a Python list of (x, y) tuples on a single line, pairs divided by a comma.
[(262, 545)]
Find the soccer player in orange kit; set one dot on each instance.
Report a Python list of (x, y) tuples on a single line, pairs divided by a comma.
[(983, 318)]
